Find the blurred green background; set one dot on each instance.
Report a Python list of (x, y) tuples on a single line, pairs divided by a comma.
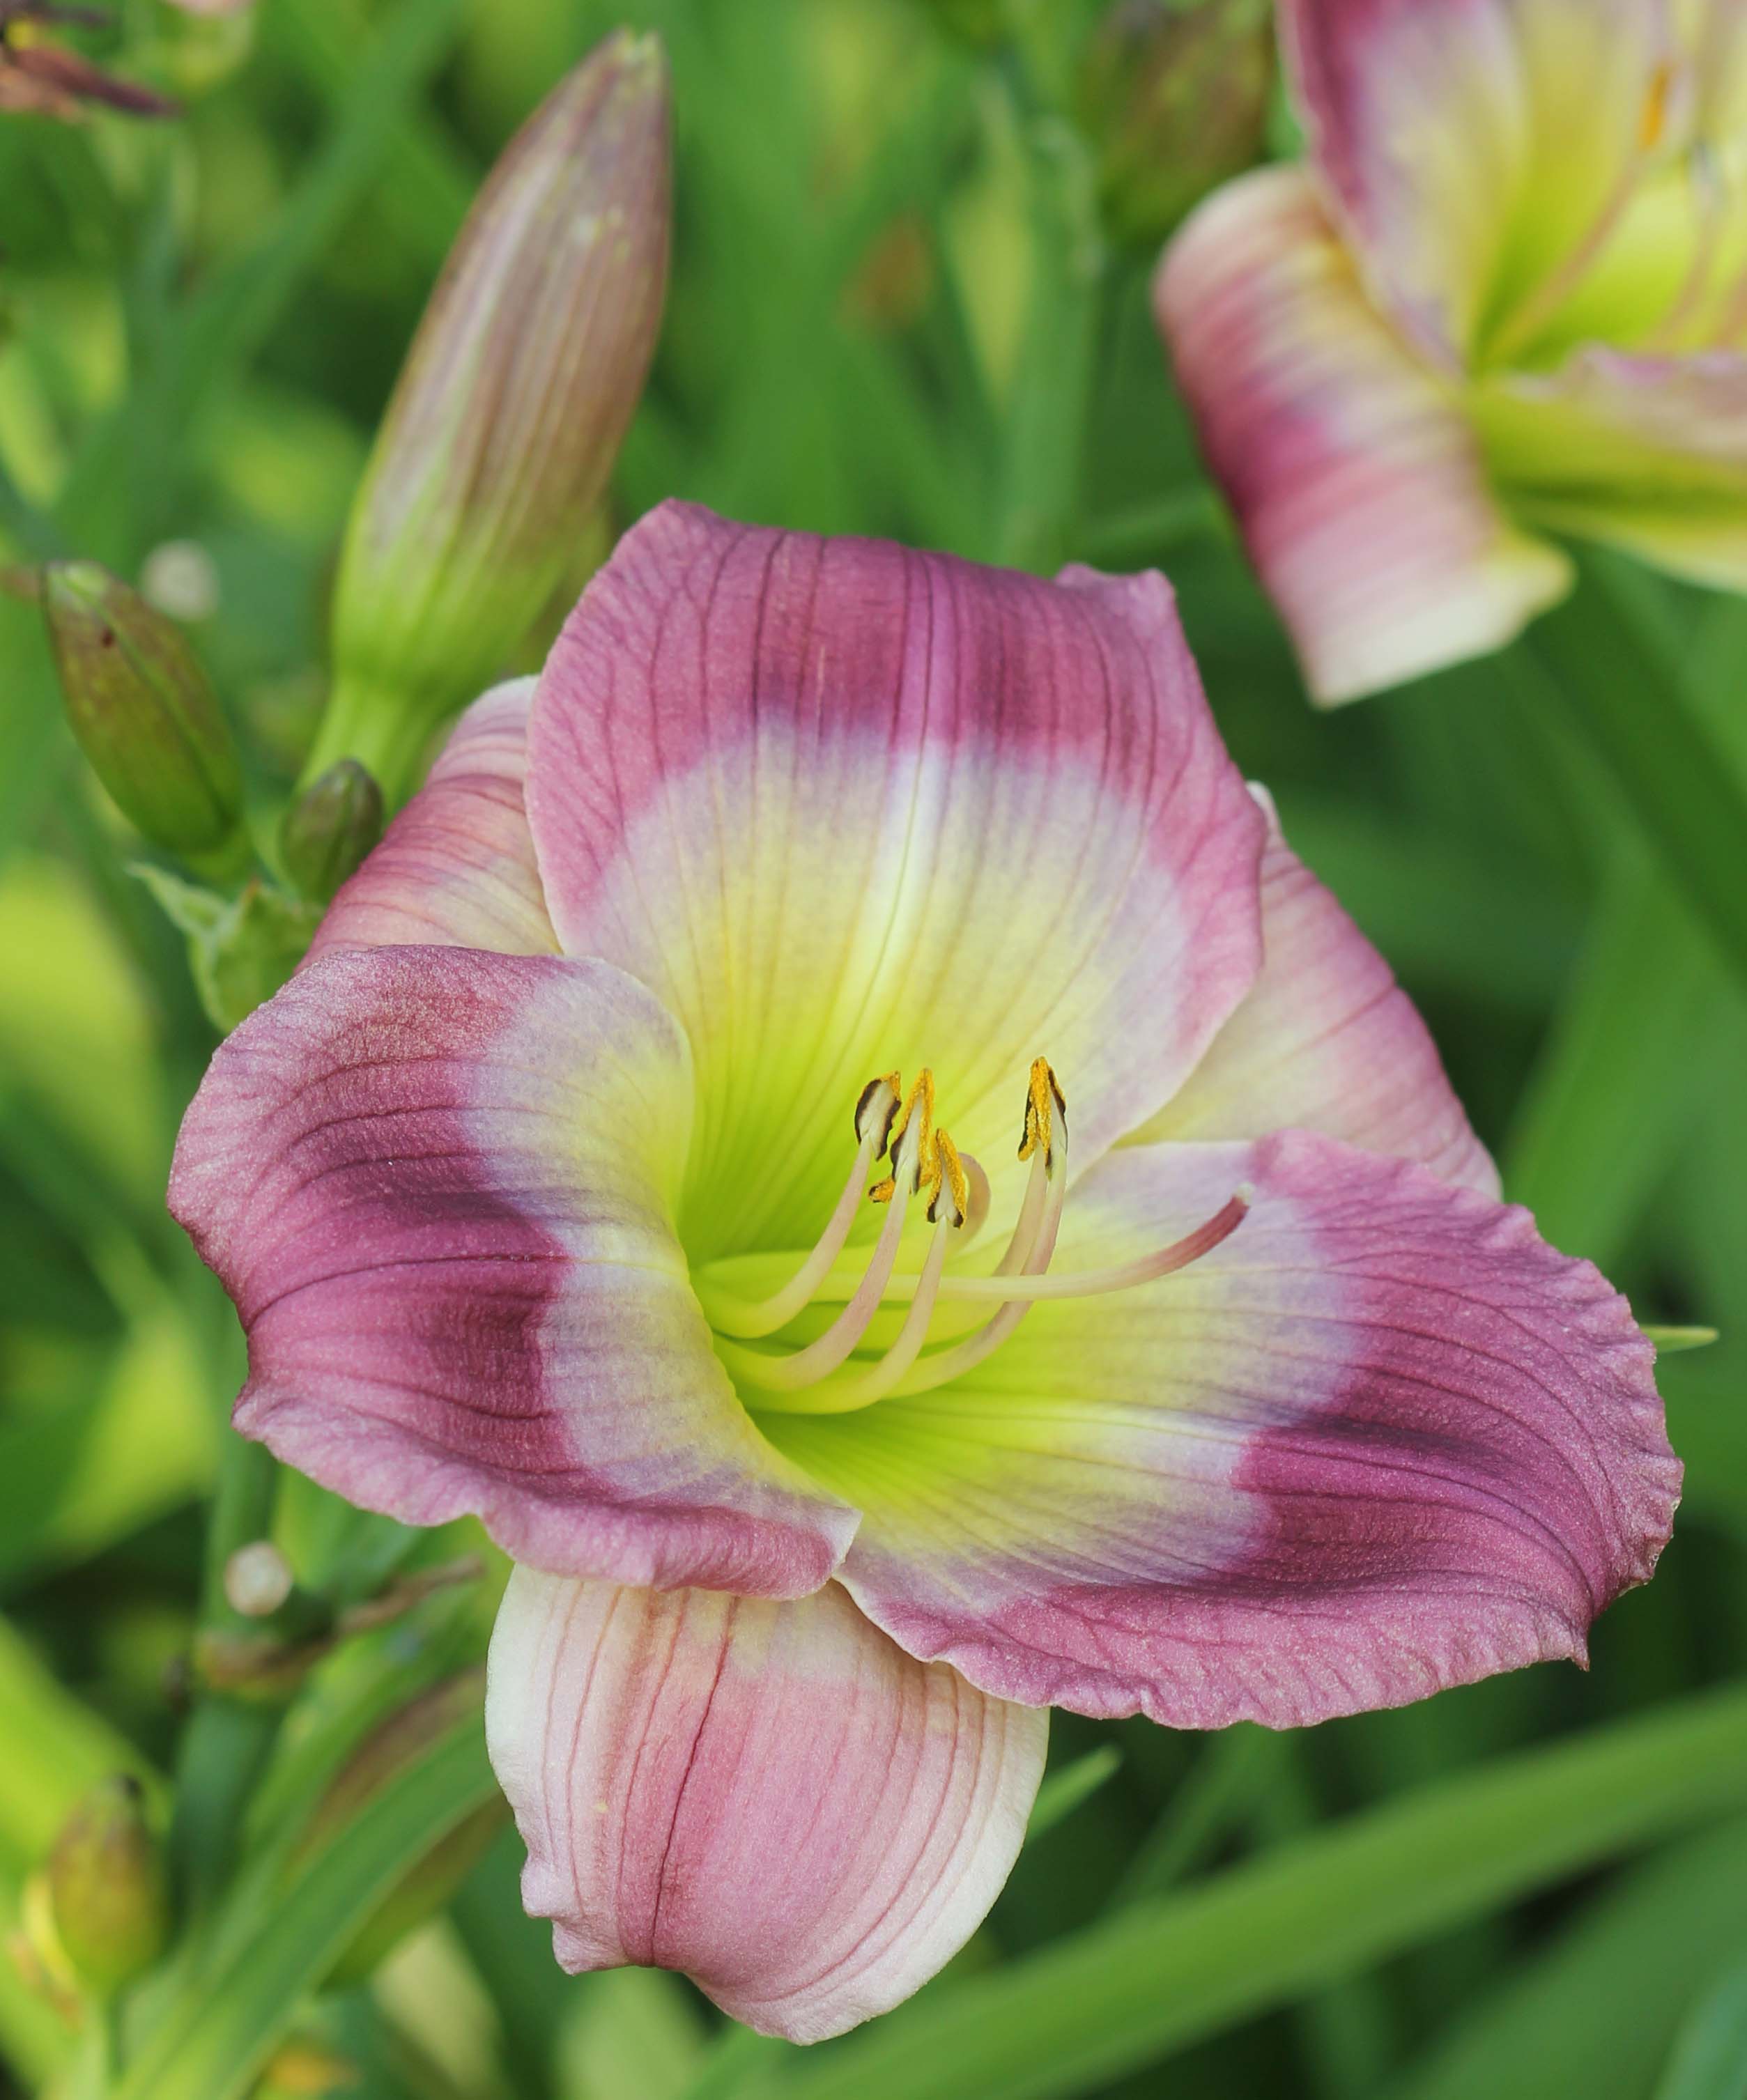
[(895, 308)]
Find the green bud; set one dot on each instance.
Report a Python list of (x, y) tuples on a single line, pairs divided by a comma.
[(396, 1743), (108, 1887), (509, 412), (330, 827), (142, 709), (1174, 95)]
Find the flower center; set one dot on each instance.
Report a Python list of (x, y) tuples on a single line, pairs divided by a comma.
[(826, 1375)]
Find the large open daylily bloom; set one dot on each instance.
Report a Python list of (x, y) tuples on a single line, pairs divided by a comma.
[(1509, 291), (658, 1158)]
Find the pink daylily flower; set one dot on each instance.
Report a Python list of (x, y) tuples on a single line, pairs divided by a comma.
[(541, 1191), (1507, 294)]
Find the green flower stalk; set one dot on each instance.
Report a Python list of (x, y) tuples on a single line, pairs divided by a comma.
[(1175, 98), (508, 414), (108, 1891), (145, 715)]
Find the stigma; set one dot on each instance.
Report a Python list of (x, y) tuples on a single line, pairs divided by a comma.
[(905, 1160)]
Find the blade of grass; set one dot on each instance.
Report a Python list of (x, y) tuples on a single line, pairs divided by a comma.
[(1642, 1034), (1063, 1791), (1508, 946), (1709, 2061), (428, 186), (215, 2037), (1633, 703), (1593, 2012), (52, 1747), (141, 452), (1133, 1988), (1207, 1806)]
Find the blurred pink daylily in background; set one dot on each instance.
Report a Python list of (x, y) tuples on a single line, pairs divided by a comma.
[(1507, 293), (544, 1193)]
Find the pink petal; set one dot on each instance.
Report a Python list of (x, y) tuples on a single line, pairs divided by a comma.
[(1353, 473), (772, 1798), (457, 867), (1355, 476), (1326, 1041), (439, 1185), (1472, 147), (845, 809), (1381, 1441)]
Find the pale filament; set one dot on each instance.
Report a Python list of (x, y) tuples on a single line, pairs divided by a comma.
[(923, 1159), (807, 1366), (875, 1115)]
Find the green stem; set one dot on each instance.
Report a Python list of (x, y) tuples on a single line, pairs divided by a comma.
[(387, 732), (227, 1741)]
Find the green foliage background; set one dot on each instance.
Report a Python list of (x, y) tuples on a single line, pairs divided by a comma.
[(891, 311)]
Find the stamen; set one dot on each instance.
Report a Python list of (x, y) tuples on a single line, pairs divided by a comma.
[(924, 1158), (844, 1395), (874, 1112), (1093, 1282), (804, 1367)]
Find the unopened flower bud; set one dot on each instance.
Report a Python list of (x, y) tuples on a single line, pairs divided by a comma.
[(330, 827), (1175, 97), (143, 710), (108, 1888), (509, 412)]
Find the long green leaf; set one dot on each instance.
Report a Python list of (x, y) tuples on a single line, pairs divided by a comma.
[(1709, 2061), (1634, 703), (1593, 2012), (1642, 1033), (52, 1747), (226, 2024), (1130, 1990)]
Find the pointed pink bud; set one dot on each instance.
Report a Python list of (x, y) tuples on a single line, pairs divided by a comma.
[(509, 412)]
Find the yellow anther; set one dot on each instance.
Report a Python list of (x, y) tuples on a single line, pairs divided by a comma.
[(1044, 1101), (920, 1104), (950, 1177)]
